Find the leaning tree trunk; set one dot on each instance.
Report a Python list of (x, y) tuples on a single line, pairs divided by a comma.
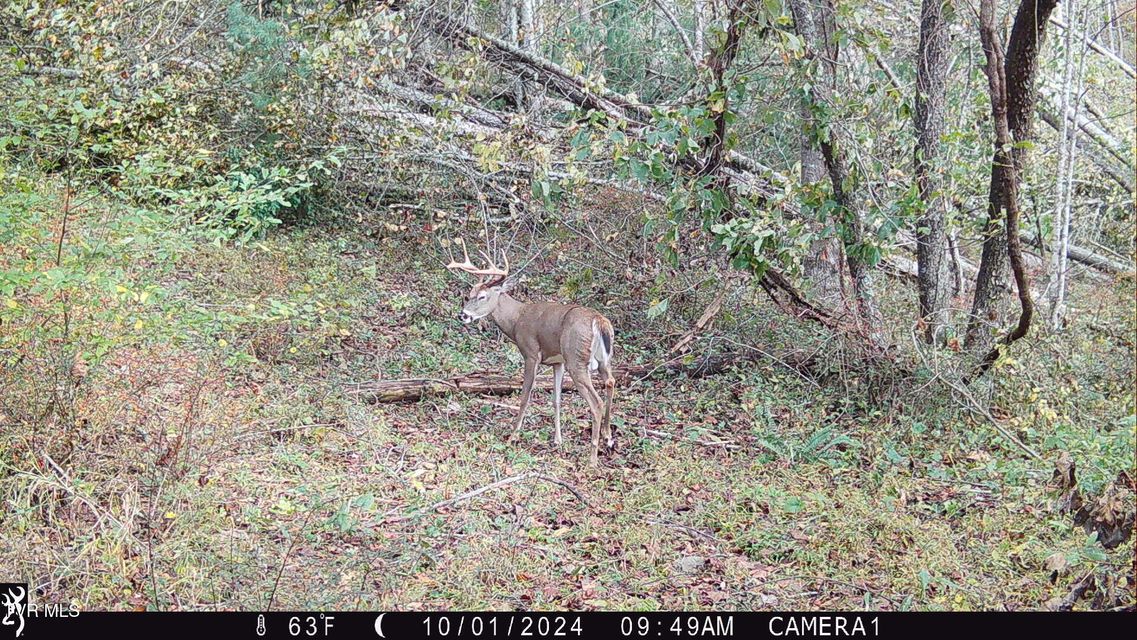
[(1018, 69), (931, 233)]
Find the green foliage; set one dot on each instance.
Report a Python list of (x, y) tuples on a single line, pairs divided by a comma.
[(244, 204), (266, 65), (824, 444)]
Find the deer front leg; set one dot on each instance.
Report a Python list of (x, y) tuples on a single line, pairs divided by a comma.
[(526, 392), (558, 378)]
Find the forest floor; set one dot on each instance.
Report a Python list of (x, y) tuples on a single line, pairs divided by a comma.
[(223, 454)]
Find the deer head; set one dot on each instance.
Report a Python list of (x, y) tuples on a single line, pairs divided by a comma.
[(486, 293)]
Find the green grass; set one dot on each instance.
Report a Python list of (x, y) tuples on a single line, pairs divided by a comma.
[(219, 455)]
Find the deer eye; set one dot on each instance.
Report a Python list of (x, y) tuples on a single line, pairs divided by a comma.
[(481, 296)]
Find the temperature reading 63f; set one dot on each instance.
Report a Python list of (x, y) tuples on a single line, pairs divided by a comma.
[(310, 626)]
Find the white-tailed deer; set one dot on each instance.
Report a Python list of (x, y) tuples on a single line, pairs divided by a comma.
[(565, 336)]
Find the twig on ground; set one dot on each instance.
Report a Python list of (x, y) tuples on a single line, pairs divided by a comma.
[(473, 493)]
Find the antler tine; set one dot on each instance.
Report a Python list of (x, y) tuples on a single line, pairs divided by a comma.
[(465, 265), (493, 269)]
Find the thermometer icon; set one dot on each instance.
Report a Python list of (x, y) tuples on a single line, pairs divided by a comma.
[(260, 624)]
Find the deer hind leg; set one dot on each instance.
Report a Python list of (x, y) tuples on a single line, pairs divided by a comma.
[(583, 382), (558, 378), (609, 392)]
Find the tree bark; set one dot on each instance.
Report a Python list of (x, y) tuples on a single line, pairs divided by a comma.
[(699, 8), (1018, 70), (816, 27), (1011, 84), (1067, 159), (718, 100), (814, 22), (512, 10), (931, 233)]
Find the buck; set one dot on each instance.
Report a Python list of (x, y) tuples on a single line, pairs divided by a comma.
[(568, 337)]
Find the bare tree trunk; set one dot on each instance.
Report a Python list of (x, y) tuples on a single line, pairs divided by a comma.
[(525, 14), (1011, 84), (466, 15), (1067, 159), (512, 10), (700, 46), (720, 62), (815, 22), (847, 191), (931, 232), (1019, 70), (527, 27), (822, 266)]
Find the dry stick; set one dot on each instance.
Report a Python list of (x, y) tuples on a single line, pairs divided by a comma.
[(64, 482), (497, 485), (692, 531), (972, 404), (704, 320), (725, 444), (288, 552)]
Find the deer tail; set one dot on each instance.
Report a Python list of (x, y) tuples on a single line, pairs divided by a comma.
[(602, 338)]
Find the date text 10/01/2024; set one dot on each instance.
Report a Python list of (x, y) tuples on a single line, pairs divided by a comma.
[(688, 626)]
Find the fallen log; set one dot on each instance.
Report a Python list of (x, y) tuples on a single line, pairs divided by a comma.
[(1122, 177), (484, 383), (1098, 261)]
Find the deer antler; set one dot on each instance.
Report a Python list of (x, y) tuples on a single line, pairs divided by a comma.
[(492, 271)]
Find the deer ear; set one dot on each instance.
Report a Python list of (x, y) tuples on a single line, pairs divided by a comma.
[(510, 283)]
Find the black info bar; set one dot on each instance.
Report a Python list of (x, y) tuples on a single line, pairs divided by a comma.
[(71, 623)]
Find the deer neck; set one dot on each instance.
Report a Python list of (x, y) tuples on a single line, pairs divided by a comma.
[(505, 315)]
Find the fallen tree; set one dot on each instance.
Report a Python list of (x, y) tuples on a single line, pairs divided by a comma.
[(581, 92), (1107, 152), (746, 171), (495, 384)]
